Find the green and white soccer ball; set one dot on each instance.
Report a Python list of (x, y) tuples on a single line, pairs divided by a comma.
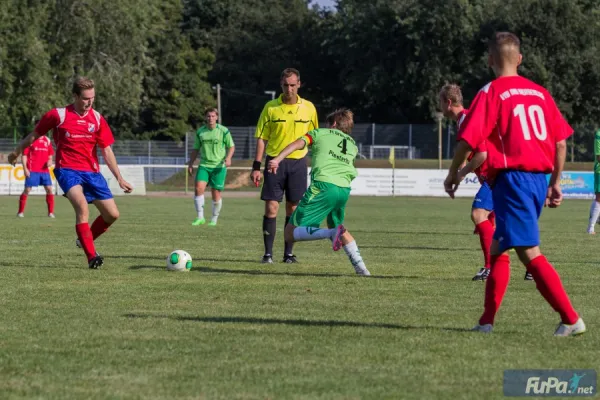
[(179, 260)]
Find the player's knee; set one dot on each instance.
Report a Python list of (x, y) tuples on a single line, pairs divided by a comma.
[(598, 197), (48, 189), (113, 215), (479, 215), (271, 209), (290, 207), (27, 190)]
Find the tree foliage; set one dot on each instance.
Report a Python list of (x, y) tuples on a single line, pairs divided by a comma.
[(155, 61)]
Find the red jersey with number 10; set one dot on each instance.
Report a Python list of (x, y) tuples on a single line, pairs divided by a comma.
[(76, 137), (521, 123), (38, 154)]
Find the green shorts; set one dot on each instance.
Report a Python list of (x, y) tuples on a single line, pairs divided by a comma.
[(596, 182), (214, 176), (321, 201)]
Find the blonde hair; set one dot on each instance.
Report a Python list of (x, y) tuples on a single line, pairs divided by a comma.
[(452, 92), (343, 119)]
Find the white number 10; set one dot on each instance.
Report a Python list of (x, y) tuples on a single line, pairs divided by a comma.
[(536, 116)]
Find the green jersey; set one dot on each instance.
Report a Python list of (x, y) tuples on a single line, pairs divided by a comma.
[(333, 154), (212, 144)]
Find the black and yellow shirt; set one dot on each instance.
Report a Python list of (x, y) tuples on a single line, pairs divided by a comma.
[(281, 124)]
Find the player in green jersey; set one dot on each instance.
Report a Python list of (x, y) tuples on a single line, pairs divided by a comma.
[(332, 171), (595, 207), (215, 146)]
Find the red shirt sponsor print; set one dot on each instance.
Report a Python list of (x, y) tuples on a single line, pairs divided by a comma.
[(76, 137)]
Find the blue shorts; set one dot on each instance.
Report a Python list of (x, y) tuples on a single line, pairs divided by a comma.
[(38, 179), (93, 183), (519, 199), (483, 198)]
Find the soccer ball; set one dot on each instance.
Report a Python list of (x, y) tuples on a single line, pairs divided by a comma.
[(179, 260)]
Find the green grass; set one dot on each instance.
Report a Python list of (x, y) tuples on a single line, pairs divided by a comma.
[(235, 329)]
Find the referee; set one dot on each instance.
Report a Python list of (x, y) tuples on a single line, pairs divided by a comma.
[(282, 121)]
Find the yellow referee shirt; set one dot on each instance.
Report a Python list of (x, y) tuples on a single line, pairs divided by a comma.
[(281, 124)]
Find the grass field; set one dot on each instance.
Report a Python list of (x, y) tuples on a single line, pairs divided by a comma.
[(235, 329)]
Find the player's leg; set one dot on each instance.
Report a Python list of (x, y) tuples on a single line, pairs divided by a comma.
[(336, 218), (296, 182), (202, 176), (109, 213), (96, 191), (46, 181), (217, 184), (595, 206), (480, 212), (549, 284), (23, 200), (272, 195), (71, 182), (306, 219), (519, 199)]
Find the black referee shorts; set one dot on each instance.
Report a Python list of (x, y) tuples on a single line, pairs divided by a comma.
[(291, 178)]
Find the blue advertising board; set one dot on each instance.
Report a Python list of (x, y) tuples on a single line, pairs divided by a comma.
[(577, 185)]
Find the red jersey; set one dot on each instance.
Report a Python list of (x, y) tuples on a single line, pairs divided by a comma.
[(521, 123), (38, 154), (482, 170), (76, 137)]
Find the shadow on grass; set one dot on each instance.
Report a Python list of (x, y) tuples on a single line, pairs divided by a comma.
[(462, 249), (294, 322), (288, 273), (453, 233)]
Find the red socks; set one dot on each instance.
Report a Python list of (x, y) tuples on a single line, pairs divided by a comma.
[(486, 235), (495, 287), (22, 202), (546, 280), (84, 234), (550, 286), (50, 202), (99, 227)]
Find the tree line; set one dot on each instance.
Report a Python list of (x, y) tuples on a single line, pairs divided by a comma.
[(156, 61)]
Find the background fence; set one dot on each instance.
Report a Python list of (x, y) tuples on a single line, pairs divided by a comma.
[(411, 141)]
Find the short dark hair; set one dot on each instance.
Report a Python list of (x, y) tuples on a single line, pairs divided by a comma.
[(504, 45), (343, 119), (82, 83), (286, 73)]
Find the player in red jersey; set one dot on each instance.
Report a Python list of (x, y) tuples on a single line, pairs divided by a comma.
[(78, 130), (37, 160), (482, 210), (526, 136)]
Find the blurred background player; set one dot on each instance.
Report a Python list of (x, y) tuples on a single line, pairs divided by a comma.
[(37, 161), (214, 144), (332, 171), (451, 104), (595, 206), (282, 121), (78, 130), (526, 136)]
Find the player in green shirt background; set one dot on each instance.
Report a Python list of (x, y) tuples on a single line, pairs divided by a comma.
[(215, 146), (332, 171), (595, 207)]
